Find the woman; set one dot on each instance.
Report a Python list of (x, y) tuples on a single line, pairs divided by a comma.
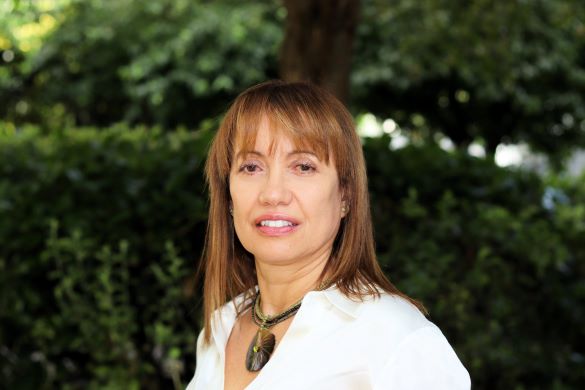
[(290, 246)]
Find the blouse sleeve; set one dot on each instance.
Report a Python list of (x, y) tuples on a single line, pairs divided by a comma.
[(423, 360), (199, 356)]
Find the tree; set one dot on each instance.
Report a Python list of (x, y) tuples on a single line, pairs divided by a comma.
[(318, 42), (492, 72), (168, 62), (496, 72)]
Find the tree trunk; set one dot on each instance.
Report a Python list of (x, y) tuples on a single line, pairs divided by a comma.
[(318, 43)]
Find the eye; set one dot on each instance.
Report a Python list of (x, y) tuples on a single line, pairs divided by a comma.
[(249, 168), (305, 167)]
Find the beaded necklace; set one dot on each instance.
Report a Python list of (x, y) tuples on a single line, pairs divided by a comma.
[(262, 344)]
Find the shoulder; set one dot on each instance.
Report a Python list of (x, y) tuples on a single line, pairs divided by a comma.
[(391, 315), (394, 306), (423, 359), (387, 313), (407, 348), (380, 323)]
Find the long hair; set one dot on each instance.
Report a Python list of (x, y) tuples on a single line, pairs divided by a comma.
[(313, 119)]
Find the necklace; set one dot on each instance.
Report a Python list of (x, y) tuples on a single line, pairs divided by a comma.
[(262, 344)]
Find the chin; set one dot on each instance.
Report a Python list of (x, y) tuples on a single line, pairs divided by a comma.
[(276, 256)]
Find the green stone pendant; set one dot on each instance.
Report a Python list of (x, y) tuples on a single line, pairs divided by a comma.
[(260, 350)]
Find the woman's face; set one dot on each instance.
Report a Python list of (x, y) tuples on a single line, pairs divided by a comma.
[(286, 204)]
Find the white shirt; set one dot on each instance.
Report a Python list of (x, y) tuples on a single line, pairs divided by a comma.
[(334, 343)]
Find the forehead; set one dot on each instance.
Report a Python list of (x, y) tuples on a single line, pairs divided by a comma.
[(269, 135)]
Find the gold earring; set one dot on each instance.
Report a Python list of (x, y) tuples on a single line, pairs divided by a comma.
[(344, 209)]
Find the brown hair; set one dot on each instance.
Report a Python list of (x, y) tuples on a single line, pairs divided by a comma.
[(312, 118)]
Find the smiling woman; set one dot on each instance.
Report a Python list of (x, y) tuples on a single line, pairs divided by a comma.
[(294, 297), (284, 192)]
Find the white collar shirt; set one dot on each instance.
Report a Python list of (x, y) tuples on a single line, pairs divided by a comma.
[(335, 343)]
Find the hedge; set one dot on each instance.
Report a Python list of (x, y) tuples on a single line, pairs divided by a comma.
[(101, 231)]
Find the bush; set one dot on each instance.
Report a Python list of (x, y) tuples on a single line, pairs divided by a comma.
[(100, 236), (496, 261), (101, 230)]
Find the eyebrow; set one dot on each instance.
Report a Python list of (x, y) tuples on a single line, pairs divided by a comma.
[(257, 153)]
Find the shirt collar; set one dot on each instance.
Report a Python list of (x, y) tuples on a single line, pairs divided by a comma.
[(225, 317), (342, 302)]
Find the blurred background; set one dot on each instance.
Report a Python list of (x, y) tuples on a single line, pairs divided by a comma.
[(472, 118)]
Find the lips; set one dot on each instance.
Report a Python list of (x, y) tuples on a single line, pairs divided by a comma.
[(276, 217), (275, 225)]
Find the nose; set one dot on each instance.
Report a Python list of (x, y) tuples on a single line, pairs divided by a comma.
[(275, 190)]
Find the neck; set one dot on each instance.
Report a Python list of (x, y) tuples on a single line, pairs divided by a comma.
[(283, 285)]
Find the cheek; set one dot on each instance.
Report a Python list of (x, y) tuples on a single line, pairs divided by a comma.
[(234, 187), (242, 199), (323, 203), (242, 195)]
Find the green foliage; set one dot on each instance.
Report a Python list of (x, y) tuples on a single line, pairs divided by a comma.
[(500, 269), (493, 72), (505, 71), (167, 62), (100, 231)]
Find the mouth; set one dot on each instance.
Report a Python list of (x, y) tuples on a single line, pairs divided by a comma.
[(276, 225)]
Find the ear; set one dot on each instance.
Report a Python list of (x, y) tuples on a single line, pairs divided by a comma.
[(344, 202), (344, 208)]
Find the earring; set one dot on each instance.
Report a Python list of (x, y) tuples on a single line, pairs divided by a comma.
[(344, 209), (231, 210)]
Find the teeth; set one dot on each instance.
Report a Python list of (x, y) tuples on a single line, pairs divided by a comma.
[(276, 224)]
